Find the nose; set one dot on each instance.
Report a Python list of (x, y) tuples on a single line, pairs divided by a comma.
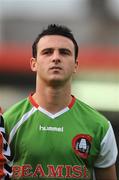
[(56, 61), (56, 57)]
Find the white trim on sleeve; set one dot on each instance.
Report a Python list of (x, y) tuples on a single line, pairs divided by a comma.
[(20, 122), (108, 153)]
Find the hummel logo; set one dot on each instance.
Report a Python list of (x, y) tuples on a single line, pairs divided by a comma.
[(49, 128)]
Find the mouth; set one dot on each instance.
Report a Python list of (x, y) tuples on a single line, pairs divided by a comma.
[(56, 68)]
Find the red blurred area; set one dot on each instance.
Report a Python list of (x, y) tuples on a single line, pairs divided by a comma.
[(15, 58), (99, 58)]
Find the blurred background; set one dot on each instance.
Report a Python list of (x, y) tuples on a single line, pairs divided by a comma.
[(95, 24)]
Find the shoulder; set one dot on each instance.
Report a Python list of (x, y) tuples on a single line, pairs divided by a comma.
[(16, 108), (90, 112), (92, 118), (15, 112)]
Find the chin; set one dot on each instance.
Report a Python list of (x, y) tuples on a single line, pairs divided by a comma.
[(56, 82)]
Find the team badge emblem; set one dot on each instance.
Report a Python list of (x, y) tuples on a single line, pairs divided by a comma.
[(81, 145)]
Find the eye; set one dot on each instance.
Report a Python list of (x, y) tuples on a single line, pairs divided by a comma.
[(65, 51), (47, 51)]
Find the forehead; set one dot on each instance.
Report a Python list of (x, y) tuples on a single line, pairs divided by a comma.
[(55, 41)]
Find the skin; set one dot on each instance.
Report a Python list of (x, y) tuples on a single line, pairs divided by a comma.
[(54, 66), (106, 173)]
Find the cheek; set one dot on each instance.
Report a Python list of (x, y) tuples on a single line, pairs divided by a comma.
[(42, 66), (71, 67)]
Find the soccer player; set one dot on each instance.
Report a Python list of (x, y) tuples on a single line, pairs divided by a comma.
[(52, 134), (5, 168)]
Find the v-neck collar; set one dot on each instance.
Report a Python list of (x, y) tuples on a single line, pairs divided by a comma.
[(51, 115)]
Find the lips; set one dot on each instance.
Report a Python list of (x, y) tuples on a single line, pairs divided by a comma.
[(56, 67)]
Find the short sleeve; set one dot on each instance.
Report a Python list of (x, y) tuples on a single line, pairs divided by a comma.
[(108, 150)]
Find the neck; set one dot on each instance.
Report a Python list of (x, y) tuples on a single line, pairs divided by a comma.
[(53, 99)]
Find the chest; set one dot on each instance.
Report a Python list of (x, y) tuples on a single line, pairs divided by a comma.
[(59, 139)]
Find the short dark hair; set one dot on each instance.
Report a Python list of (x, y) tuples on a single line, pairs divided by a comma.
[(54, 29)]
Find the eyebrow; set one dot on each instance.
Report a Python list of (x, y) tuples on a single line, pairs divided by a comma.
[(46, 49), (60, 49)]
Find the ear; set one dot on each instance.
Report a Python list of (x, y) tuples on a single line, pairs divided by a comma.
[(76, 66), (33, 64)]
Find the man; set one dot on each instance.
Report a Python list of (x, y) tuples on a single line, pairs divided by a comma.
[(5, 169), (52, 134)]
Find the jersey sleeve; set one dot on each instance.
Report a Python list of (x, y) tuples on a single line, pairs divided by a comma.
[(5, 168), (108, 150)]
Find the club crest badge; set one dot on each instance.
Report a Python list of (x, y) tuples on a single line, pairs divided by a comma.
[(81, 145)]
